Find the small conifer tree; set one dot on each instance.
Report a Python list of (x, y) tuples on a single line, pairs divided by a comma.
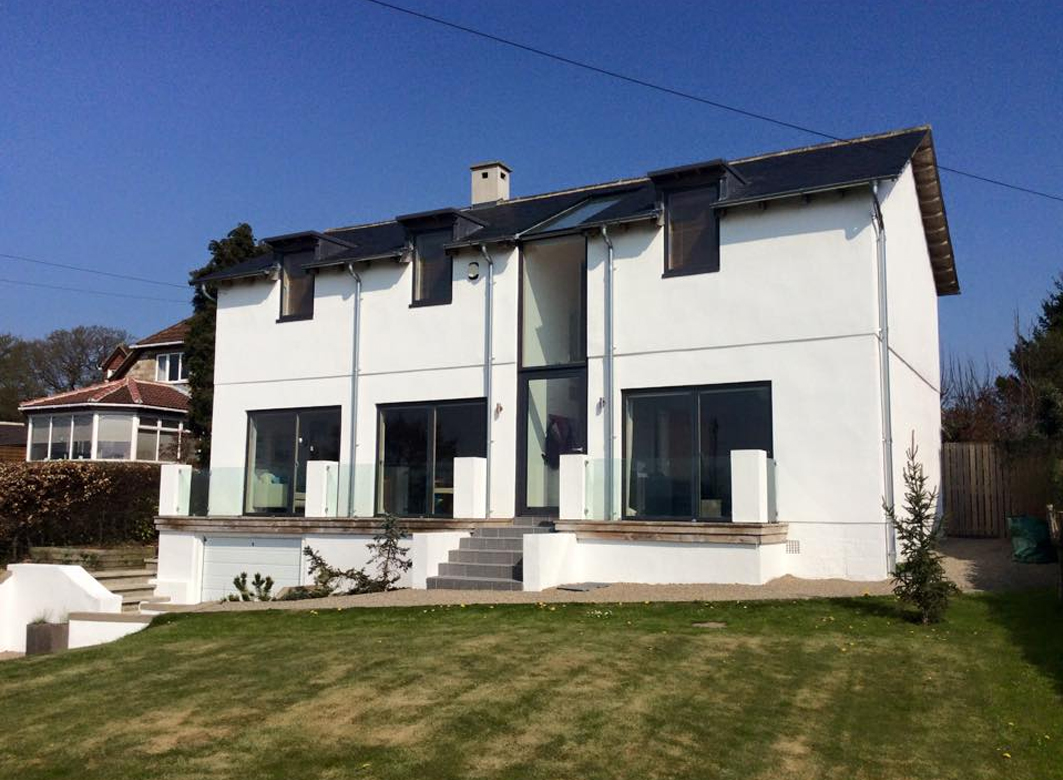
[(919, 577)]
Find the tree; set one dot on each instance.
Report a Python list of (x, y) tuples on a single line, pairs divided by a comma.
[(68, 359), (239, 245), (919, 577), (18, 382), (971, 404)]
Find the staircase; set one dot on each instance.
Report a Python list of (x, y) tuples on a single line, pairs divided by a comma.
[(490, 559), (133, 585)]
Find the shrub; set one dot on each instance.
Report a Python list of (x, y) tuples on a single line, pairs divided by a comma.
[(919, 577), (262, 588), (390, 557), (76, 503)]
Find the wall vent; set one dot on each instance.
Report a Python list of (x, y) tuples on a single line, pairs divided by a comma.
[(793, 546)]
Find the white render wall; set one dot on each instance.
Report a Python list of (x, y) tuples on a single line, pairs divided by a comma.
[(794, 303)]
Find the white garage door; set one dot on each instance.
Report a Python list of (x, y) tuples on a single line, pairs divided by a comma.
[(225, 557)]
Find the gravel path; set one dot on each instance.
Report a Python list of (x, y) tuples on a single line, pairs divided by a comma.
[(974, 564)]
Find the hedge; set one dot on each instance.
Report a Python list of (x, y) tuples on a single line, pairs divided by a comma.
[(64, 502)]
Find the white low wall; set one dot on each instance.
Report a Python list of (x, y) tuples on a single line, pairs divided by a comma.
[(551, 560), (86, 633), (428, 550), (180, 574), (51, 591)]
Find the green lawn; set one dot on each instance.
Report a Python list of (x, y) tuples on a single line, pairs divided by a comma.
[(814, 689)]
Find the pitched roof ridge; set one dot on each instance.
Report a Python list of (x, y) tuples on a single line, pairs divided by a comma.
[(830, 144), (70, 392), (134, 390)]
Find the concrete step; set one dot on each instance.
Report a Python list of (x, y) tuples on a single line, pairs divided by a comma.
[(503, 571), (135, 596), (511, 531), (473, 583), (120, 584), (545, 522), (113, 574), (110, 617), (512, 544), (512, 557)]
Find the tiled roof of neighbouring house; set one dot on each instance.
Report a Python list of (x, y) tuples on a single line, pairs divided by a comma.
[(173, 334), (121, 392), (807, 170)]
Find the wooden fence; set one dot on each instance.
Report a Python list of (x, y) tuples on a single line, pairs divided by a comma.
[(983, 484)]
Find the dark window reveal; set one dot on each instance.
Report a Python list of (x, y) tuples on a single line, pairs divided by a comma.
[(432, 268), (692, 232), (678, 443), (297, 288)]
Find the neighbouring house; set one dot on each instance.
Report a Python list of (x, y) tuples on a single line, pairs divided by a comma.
[(12, 442), (137, 413), (709, 373)]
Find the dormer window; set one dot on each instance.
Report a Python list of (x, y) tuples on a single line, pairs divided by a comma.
[(432, 268), (692, 231), (297, 287), (170, 367)]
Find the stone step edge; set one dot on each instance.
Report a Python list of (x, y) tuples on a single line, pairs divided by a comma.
[(110, 617)]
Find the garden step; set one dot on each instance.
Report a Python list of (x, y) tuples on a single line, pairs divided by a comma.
[(512, 544), (504, 571), (122, 574), (511, 532), (473, 583), (512, 557)]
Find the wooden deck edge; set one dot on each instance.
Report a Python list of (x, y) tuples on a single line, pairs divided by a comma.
[(288, 526), (681, 532)]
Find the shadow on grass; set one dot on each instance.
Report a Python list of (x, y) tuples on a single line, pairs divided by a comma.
[(1034, 622)]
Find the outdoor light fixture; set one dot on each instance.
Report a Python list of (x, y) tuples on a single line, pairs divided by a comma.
[(474, 271)]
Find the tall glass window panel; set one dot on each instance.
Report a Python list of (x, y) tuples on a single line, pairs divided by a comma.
[(39, 438), (460, 432), (319, 439), (433, 268), (81, 446), (270, 469), (731, 418), (297, 287), (162, 368), (404, 455), (693, 231), (552, 302), (60, 448), (169, 446), (556, 409), (659, 462), (148, 438), (114, 436)]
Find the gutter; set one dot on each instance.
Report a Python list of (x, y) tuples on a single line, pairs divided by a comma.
[(355, 339), (488, 367), (607, 365), (885, 396)]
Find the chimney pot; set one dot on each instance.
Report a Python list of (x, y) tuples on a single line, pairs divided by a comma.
[(490, 182)]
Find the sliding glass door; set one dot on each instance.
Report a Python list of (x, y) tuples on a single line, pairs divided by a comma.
[(279, 445), (417, 445), (678, 443), (553, 423)]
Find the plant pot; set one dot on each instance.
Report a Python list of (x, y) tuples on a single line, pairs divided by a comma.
[(46, 637)]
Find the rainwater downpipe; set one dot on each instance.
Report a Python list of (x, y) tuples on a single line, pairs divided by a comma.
[(356, 340), (607, 370), (489, 360), (884, 372)]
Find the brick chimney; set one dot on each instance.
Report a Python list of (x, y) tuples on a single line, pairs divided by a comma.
[(490, 182)]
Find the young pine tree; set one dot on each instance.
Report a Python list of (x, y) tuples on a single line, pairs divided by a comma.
[(919, 577)]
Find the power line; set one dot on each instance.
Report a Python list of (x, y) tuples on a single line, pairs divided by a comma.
[(678, 93), (91, 292), (85, 270)]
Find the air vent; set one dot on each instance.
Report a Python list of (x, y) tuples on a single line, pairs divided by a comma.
[(793, 547)]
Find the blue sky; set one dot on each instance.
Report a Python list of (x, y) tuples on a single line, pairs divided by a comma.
[(131, 134)]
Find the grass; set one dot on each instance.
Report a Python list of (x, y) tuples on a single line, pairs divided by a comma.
[(813, 689)]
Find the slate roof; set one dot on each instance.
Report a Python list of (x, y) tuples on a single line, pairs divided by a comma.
[(806, 170), (120, 392)]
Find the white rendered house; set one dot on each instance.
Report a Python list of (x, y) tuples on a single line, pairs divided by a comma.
[(705, 374)]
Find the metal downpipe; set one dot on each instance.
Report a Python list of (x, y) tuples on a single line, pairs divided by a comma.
[(356, 340), (884, 373), (488, 369), (607, 370)]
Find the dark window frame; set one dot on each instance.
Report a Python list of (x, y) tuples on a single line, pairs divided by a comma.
[(712, 265), (300, 316), (296, 410), (433, 406), (448, 261), (582, 362), (694, 392)]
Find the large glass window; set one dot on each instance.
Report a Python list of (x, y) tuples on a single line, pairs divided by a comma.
[(554, 425), (60, 447), (115, 434), (552, 302), (678, 443), (279, 445), (81, 447), (432, 268), (170, 367), (39, 438), (417, 447), (692, 233), (297, 287)]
